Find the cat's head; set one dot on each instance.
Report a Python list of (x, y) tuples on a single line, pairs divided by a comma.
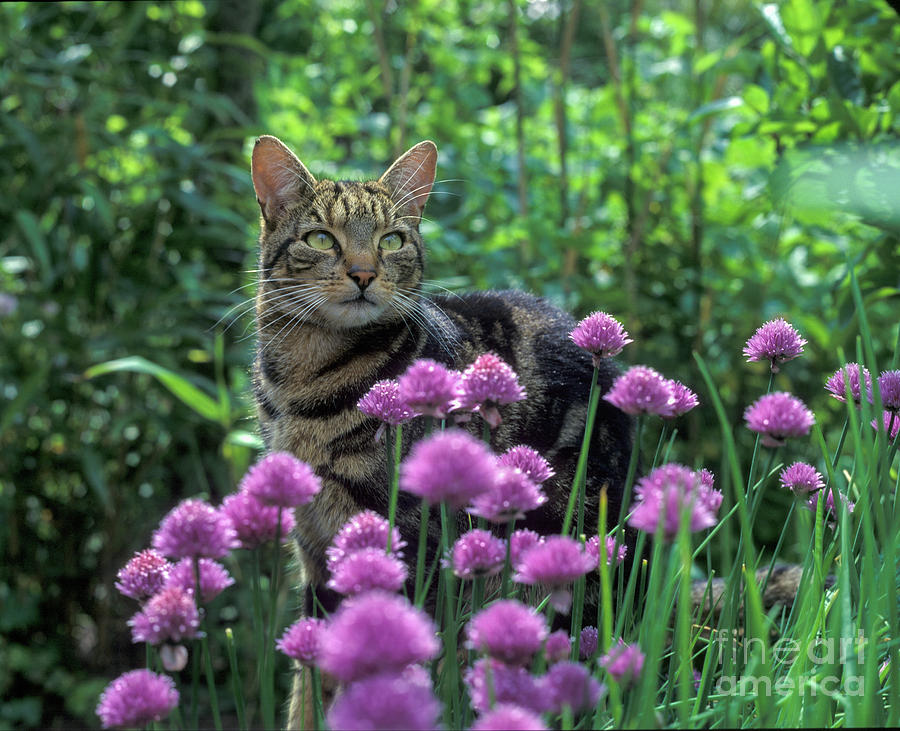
[(340, 254)]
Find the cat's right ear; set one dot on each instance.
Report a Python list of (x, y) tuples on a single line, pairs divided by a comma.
[(279, 178)]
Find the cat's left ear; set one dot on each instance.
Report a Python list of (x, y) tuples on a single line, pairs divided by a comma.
[(411, 176)]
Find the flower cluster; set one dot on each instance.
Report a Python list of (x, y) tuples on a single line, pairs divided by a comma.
[(137, 698), (486, 384), (556, 563), (601, 335), (775, 341), (665, 493), (777, 417), (478, 553), (623, 662)]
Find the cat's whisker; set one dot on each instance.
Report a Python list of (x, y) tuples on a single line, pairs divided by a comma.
[(412, 307), (250, 301), (296, 321)]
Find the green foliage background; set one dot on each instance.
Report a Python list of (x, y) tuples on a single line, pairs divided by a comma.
[(692, 168)]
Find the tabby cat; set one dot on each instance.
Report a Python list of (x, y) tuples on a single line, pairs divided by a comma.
[(339, 306)]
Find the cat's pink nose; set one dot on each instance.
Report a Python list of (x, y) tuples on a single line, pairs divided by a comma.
[(362, 277)]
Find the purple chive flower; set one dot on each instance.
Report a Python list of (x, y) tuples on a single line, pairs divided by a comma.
[(383, 403), (707, 478), (592, 549), (386, 702), (137, 698), (776, 341), (570, 684), (889, 385), (683, 399), (428, 388), (478, 553), (813, 502), (507, 631), (254, 522), (144, 575), (171, 615), (801, 478), (529, 461), (486, 384), (641, 390), (557, 647), (508, 717), (777, 416), (556, 563), (281, 479), (850, 373), (520, 542), (367, 569), (601, 335), (623, 662), (195, 528), (589, 640), (665, 492), (510, 684), (451, 466), (302, 640), (374, 633), (214, 578), (512, 495), (367, 529), (891, 422)]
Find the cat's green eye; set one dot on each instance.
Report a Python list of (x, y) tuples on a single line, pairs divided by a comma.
[(391, 242), (321, 240)]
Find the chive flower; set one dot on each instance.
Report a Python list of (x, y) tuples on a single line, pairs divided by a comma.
[(366, 529), (486, 384), (509, 717), (282, 480), (195, 528), (383, 402), (386, 702), (477, 553), (601, 335), (641, 390), (592, 548), (144, 575), (429, 388), (801, 478), (777, 417), (490, 681), (853, 374), (588, 642), (254, 522), (829, 512), (302, 640), (171, 615), (450, 466), (683, 399), (367, 569), (623, 662), (137, 698), (570, 684), (214, 578), (528, 460), (520, 542), (557, 647), (891, 422), (775, 341), (508, 631), (374, 633), (662, 495), (556, 563), (889, 386), (512, 495)]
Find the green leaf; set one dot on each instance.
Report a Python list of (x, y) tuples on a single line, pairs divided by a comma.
[(241, 438), (33, 234), (180, 387), (715, 107)]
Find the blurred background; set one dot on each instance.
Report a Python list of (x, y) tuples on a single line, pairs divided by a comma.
[(693, 168)]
